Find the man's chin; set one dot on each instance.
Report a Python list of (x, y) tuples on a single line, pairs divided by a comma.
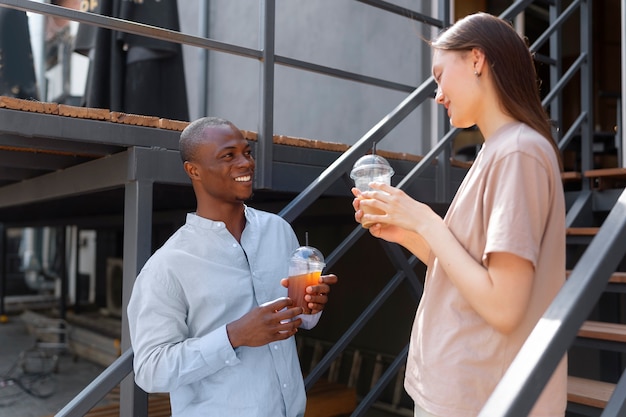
[(244, 199)]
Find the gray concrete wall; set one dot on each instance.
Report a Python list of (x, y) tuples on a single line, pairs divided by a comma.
[(342, 34)]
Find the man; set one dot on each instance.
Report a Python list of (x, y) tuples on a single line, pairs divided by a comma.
[(210, 322)]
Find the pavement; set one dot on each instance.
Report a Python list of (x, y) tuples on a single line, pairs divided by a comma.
[(34, 385)]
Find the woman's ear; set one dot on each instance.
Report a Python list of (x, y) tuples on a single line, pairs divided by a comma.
[(478, 61)]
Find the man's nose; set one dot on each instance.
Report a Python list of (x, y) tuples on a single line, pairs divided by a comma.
[(244, 160)]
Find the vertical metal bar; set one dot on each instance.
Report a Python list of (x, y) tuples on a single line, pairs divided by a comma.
[(78, 287), (3, 272), (137, 249), (264, 157), (586, 87), (203, 77), (61, 240), (622, 122), (442, 190), (619, 128), (556, 106)]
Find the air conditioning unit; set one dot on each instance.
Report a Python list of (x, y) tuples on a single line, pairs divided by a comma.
[(115, 272)]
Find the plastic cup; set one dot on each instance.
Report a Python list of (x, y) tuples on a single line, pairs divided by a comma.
[(305, 268), (371, 168)]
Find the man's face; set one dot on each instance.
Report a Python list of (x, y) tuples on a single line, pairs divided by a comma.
[(225, 165)]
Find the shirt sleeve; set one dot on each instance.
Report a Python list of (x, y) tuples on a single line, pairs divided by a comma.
[(164, 357), (309, 320), (517, 202)]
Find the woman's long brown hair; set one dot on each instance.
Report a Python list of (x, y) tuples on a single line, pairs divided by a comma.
[(511, 63)]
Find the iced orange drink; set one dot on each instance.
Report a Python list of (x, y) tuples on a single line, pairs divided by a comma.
[(305, 268), (297, 288)]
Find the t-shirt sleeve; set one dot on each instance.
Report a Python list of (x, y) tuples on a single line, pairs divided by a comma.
[(517, 204)]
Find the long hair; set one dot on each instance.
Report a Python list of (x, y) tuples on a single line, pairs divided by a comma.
[(511, 65)]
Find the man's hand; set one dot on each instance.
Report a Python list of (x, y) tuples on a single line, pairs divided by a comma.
[(316, 295), (267, 323)]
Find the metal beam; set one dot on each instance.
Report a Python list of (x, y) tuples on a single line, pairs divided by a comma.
[(128, 26), (67, 129), (96, 175)]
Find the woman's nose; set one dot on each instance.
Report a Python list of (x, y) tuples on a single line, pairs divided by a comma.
[(438, 96)]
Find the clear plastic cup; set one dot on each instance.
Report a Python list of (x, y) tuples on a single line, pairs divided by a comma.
[(371, 168), (305, 268)]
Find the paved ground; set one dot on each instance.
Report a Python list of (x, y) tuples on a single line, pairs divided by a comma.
[(59, 387)]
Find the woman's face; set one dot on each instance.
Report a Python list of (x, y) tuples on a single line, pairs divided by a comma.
[(456, 86)]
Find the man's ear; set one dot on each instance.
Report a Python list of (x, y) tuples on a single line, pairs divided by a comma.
[(191, 169)]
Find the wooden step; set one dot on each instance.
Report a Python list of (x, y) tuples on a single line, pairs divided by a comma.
[(330, 399), (158, 406), (616, 277), (614, 332), (568, 176), (582, 231), (589, 392), (602, 179)]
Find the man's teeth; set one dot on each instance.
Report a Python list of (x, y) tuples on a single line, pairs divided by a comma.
[(243, 179)]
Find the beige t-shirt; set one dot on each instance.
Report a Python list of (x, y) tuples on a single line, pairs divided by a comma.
[(510, 201)]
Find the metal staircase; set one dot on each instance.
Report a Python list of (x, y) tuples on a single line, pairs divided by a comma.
[(560, 327)]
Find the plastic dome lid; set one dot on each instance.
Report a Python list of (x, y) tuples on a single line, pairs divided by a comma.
[(307, 254), (371, 163)]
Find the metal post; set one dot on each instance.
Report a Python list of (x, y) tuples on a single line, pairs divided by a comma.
[(61, 240), (264, 157), (442, 191), (622, 123), (137, 249), (3, 272), (78, 286), (586, 87), (556, 40), (203, 77)]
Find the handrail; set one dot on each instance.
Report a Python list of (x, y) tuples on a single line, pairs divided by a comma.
[(347, 159), (531, 369), (99, 387), (508, 402)]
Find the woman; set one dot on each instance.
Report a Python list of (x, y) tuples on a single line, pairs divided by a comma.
[(497, 259)]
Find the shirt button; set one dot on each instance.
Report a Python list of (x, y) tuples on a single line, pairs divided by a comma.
[(275, 347), (234, 245), (284, 385), (227, 362)]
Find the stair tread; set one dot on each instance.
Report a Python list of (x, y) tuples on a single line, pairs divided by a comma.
[(589, 391), (571, 176), (615, 278), (582, 231), (606, 172), (603, 330)]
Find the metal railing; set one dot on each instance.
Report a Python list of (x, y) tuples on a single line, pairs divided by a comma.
[(554, 333)]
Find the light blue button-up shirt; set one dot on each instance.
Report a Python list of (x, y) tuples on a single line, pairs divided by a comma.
[(186, 293)]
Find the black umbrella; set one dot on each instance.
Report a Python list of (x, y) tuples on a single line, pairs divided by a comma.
[(17, 71), (131, 73)]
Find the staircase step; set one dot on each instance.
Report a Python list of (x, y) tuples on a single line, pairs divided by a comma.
[(602, 179), (589, 392), (614, 332), (571, 176), (616, 277), (582, 231)]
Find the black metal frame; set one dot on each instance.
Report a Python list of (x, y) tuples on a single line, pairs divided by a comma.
[(530, 371)]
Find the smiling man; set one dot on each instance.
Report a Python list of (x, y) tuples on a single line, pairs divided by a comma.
[(209, 320)]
